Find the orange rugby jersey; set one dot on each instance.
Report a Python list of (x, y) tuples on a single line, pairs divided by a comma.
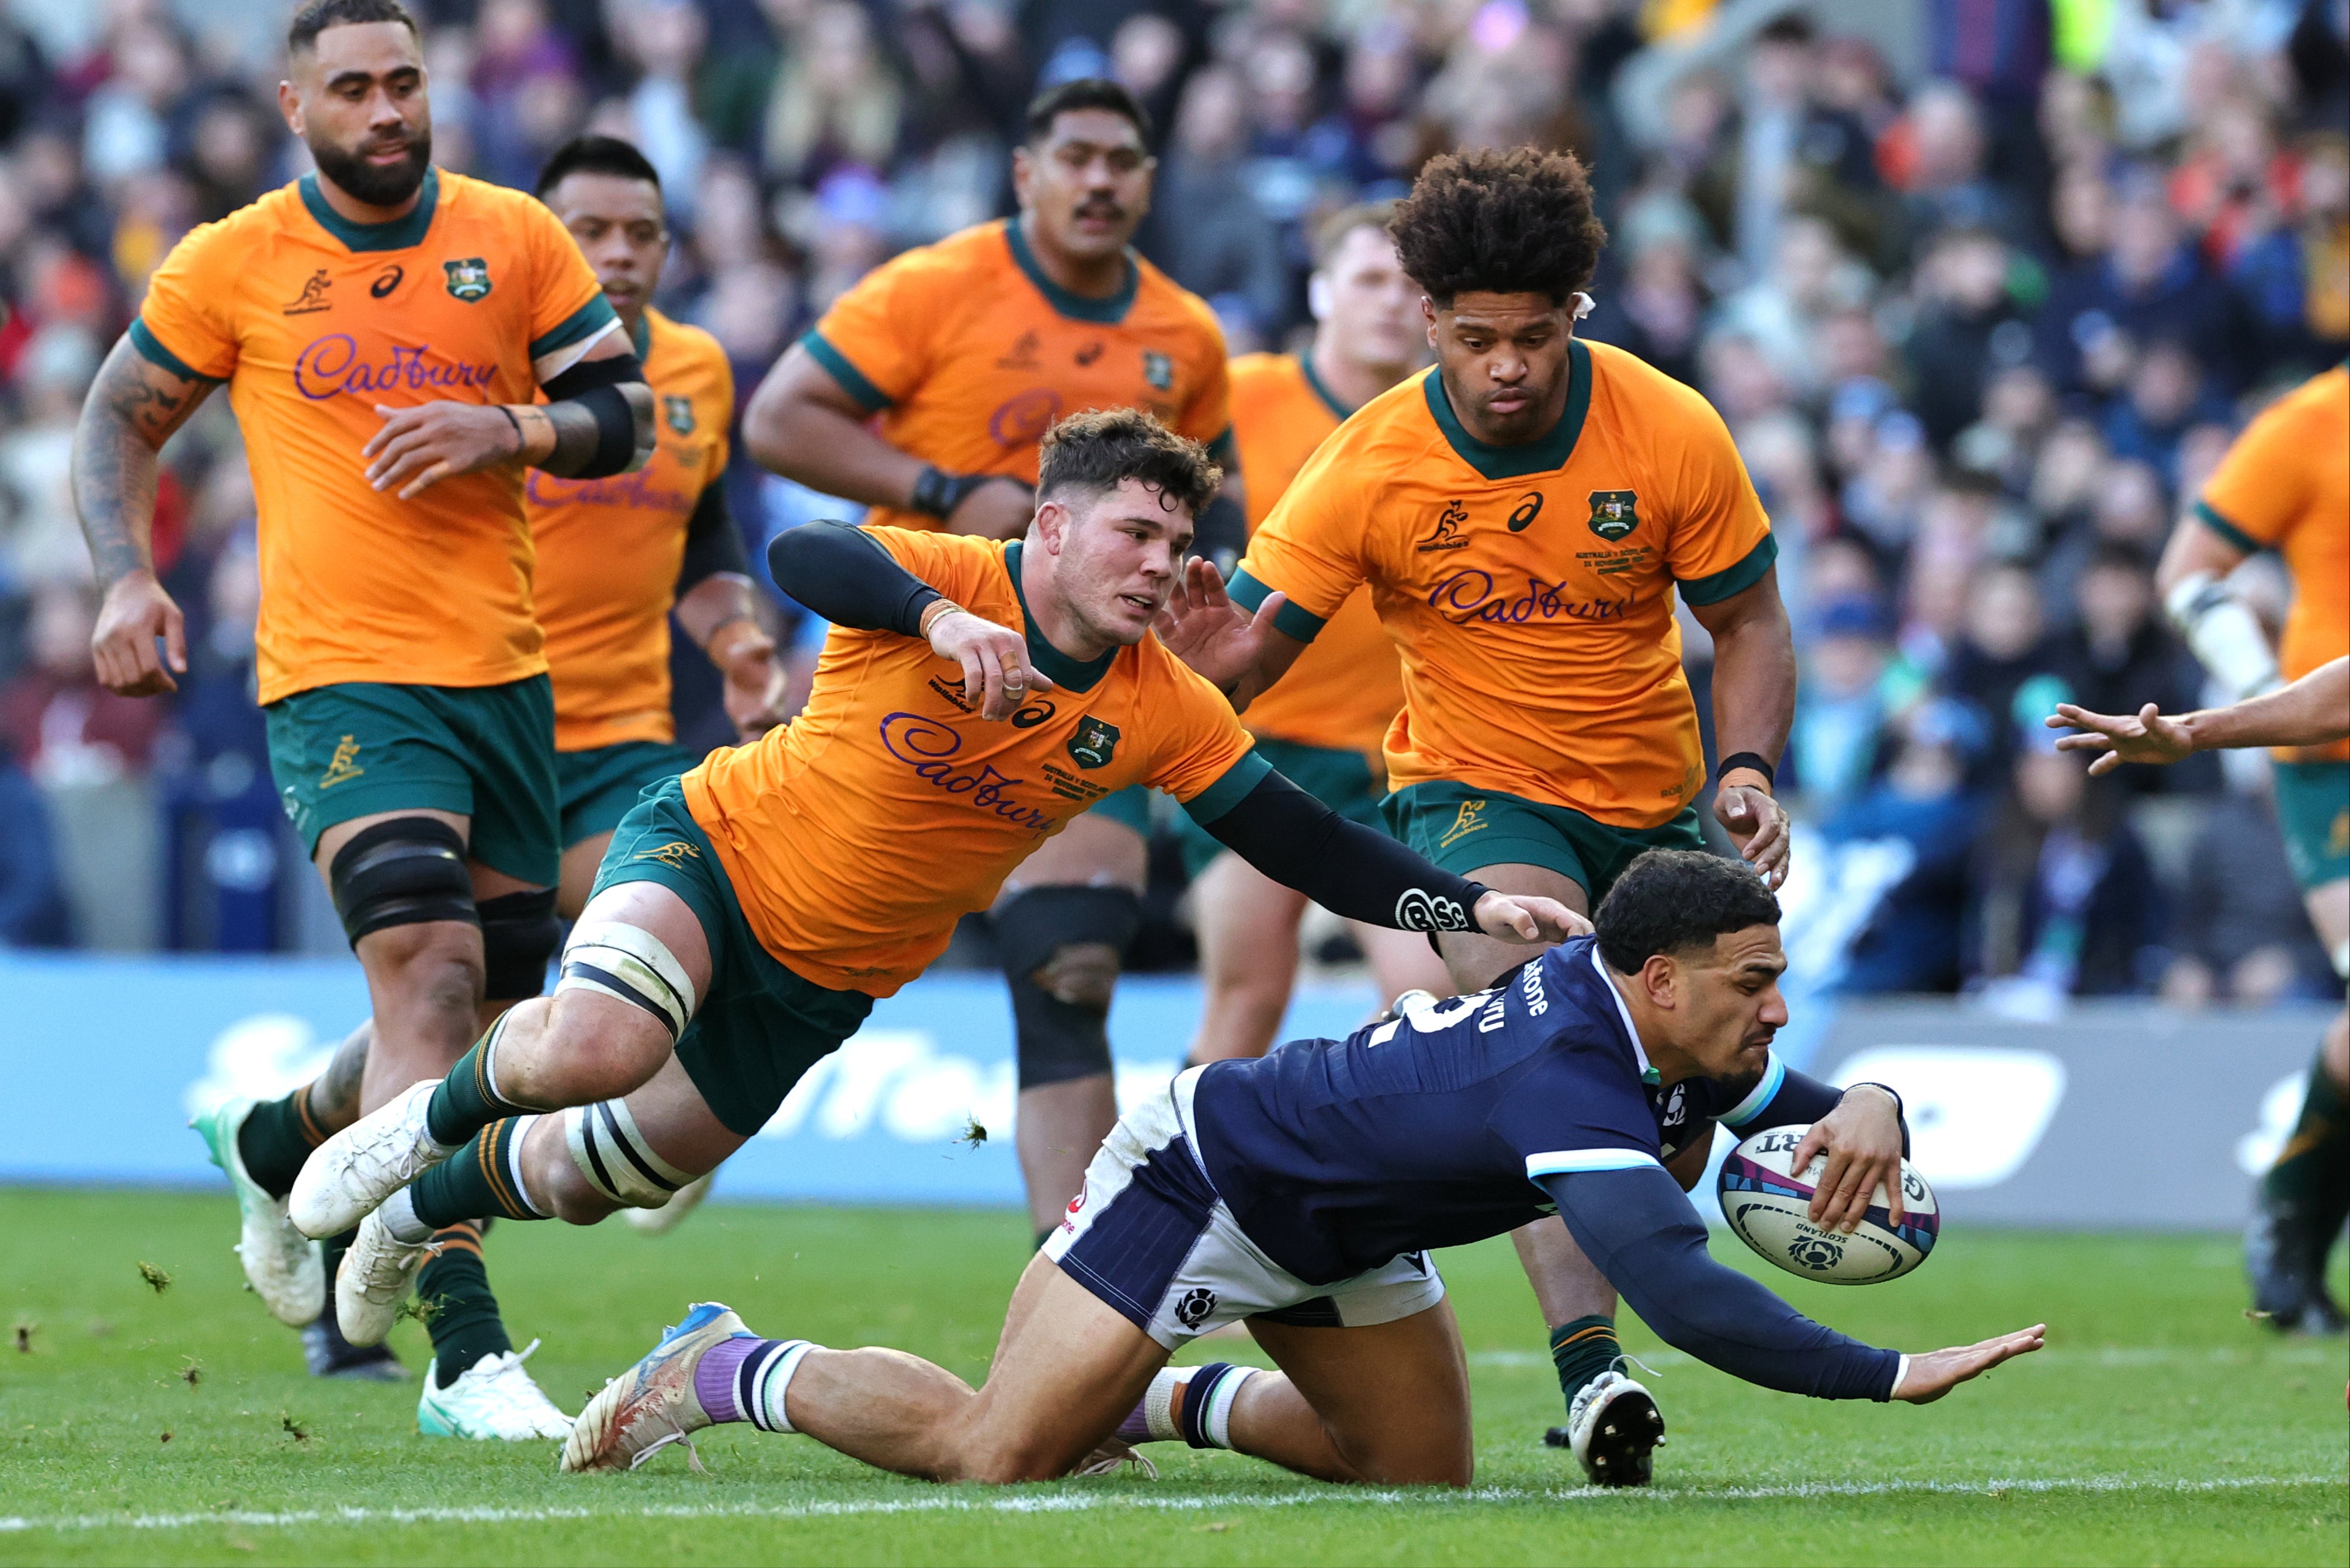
[(609, 549), (1347, 687), (1530, 589), (2286, 486), (313, 321), (968, 353), (858, 835)]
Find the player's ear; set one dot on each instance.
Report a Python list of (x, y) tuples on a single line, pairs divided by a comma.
[(289, 104), (1660, 977), (1317, 295)]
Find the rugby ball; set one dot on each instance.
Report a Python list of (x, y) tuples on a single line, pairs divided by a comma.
[(1769, 1207)]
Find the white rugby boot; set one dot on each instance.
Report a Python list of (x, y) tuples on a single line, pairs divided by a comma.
[(660, 1221), (281, 1265), (1614, 1426), (374, 1280), (493, 1400), (653, 1404), (351, 1174)]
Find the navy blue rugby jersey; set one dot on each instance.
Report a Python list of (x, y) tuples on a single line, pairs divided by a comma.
[(1336, 1155)]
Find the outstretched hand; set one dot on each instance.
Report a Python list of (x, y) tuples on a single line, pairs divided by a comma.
[(1201, 626), (1524, 918), (2144, 737), (1930, 1377)]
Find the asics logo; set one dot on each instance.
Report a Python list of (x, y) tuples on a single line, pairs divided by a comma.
[(927, 746)]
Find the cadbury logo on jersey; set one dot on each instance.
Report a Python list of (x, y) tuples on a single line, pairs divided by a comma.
[(927, 747), (1471, 596), (332, 365), (1613, 512), (469, 279)]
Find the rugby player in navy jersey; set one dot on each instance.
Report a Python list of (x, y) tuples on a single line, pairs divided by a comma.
[(1300, 1193)]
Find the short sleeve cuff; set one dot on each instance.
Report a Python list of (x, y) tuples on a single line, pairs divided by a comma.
[(2209, 518), (869, 397), (1762, 1094), (587, 321), (1567, 1161), (1736, 580), (1293, 620), (153, 351), (1230, 790)]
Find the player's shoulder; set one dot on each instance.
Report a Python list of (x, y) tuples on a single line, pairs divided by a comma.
[(967, 256), (681, 348), (466, 199), (1158, 294), (251, 233), (2317, 403), (1265, 374), (1390, 434), (1640, 395)]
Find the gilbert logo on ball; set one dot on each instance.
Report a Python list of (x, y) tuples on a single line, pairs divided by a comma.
[(1768, 1204)]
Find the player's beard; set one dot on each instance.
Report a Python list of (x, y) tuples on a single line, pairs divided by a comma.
[(374, 183)]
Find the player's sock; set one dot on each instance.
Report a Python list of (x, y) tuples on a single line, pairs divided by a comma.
[(1582, 1350), (276, 1137), (331, 1253), (1188, 1404), (2310, 1174), (483, 1178), (467, 1100), (461, 1315), (743, 1379)]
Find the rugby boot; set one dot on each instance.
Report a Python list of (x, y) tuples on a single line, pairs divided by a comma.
[(2285, 1249), (653, 1404), (281, 1263), (1613, 1427), (329, 1354), (348, 1176), (493, 1400), (374, 1283)]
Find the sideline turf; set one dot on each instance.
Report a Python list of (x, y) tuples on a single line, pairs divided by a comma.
[(2160, 1427)]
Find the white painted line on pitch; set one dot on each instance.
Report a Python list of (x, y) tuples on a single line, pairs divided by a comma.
[(2053, 1355), (1095, 1501)]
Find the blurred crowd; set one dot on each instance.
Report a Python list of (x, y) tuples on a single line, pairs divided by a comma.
[(1982, 287)]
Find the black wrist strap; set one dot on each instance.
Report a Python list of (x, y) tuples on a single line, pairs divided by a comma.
[(936, 492), (1754, 759)]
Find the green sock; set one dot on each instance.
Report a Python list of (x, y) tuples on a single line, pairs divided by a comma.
[(465, 1102), (1582, 1350), (477, 1180), (276, 1137), (2314, 1172), (460, 1315)]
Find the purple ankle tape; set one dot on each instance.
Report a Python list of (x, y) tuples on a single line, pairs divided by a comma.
[(1135, 1428), (713, 1378)]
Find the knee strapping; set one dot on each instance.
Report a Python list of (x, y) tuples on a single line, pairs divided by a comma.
[(633, 964), (519, 934), (1061, 948), (615, 1157), (402, 872)]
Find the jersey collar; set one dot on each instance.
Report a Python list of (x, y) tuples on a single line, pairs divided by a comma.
[(1607, 981), (1106, 312), (398, 235), (1543, 456), (1059, 668), (1338, 410)]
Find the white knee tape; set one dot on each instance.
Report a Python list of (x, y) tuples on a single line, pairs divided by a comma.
[(615, 1157), (633, 964)]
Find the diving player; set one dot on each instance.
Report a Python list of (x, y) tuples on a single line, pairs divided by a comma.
[(1300, 1193), (1525, 514), (384, 329), (1324, 725), (973, 697), (923, 392), (2284, 487)]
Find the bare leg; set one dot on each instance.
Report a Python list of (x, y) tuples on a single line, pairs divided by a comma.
[(1388, 1405), (1402, 961), (580, 862), (1059, 1128), (1247, 924), (1067, 1372), (1475, 961)]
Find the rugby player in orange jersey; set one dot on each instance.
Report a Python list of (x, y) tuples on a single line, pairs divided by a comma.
[(923, 393), (975, 696), (1324, 724), (1525, 514), (385, 330), (2286, 486)]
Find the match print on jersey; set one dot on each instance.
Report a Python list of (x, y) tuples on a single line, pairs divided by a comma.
[(469, 280), (1612, 514), (1094, 743)]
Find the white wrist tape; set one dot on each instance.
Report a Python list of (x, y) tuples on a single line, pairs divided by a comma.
[(2224, 634)]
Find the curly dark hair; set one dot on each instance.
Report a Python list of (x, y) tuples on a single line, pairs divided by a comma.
[(1671, 900), (1100, 448), (1490, 221)]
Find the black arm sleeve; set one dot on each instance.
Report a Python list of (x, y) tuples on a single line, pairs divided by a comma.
[(1803, 1098), (595, 386), (1637, 1229), (841, 575), (1347, 869), (711, 543)]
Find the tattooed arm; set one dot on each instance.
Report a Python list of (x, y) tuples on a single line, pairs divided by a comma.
[(131, 412)]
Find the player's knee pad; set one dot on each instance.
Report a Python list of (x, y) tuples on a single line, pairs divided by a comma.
[(615, 1157), (402, 872), (631, 963), (519, 933), (1061, 949)]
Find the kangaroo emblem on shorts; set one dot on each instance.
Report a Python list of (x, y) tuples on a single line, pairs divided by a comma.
[(1469, 819), (340, 769), (673, 854), (1194, 1309)]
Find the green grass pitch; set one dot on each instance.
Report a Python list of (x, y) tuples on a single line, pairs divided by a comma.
[(176, 1427)]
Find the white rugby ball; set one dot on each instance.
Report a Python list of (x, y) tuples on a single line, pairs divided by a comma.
[(1769, 1207)]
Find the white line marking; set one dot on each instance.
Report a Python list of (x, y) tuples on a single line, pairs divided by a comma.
[(2060, 1354), (1093, 1502)]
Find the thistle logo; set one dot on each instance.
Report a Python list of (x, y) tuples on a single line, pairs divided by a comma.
[(1613, 512), (1094, 743), (469, 280), (340, 769), (679, 413), (1195, 1307), (1816, 1253)]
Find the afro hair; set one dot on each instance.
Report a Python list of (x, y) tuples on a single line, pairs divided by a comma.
[(1492, 222)]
